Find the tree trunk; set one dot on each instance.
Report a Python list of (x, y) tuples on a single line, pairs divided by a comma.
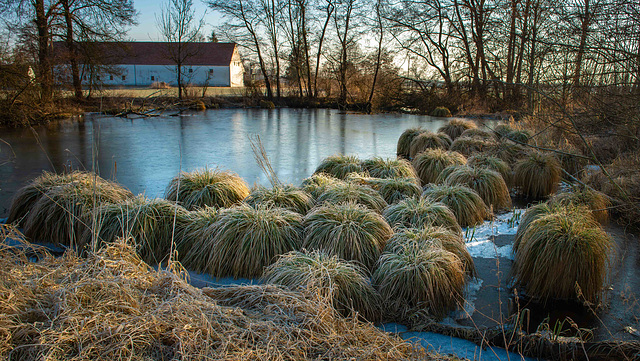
[(584, 28), (73, 53), (45, 72)]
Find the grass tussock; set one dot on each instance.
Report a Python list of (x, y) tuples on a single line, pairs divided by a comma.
[(353, 193), (470, 146), (192, 228), (404, 142), (318, 183), (287, 197), (493, 163), (244, 240), (346, 284), (431, 162), (531, 214), (455, 127), (437, 237), (477, 133), (27, 196), (427, 140), (112, 306), (396, 189), (509, 152), (487, 183), (538, 175), (501, 130), (349, 231), (519, 136), (59, 216), (378, 167), (563, 255), (419, 213), (424, 277), (465, 203), (445, 173), (152, 224), (596, 201), (207, 187), (339, 166)]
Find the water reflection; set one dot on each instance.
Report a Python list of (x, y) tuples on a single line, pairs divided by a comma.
[(144, 154)]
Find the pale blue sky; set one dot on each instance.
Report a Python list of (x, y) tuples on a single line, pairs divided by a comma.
[(146, 30)]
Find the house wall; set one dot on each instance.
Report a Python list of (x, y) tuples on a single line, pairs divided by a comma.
[(145, 75), (236, 70)]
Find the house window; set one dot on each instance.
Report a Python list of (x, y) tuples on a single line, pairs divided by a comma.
[(190, 70), (210, 71), (153, 78), (124, 77)]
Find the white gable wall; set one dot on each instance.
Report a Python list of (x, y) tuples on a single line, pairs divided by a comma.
[(145, 75)]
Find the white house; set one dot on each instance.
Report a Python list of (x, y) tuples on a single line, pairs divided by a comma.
[(145, 63)]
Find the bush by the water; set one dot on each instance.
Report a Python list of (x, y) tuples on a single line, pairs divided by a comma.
[(349, 231), (487, 183), (531, 214), (288, 197), (441, 112), (339, 166), (421, 212), (244, 240), (455, 127), (396, 189), (427, 140), (152, 224), (353, 193), (519, 136), (207, 187), (563, 255), (404, 142), (478, 133), (193, 226), (470, 146), (345, 284), (537, 175), (464, 202), (267, 104), (58, 216), (388, 168), (431, 162)]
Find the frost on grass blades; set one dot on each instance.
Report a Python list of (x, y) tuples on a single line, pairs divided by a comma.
[(479, 239)]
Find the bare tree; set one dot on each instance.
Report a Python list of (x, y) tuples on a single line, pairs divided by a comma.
[(180, 28)]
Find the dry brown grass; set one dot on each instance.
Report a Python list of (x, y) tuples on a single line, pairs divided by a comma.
[(113, 306)]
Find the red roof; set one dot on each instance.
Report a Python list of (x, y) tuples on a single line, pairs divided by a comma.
[(158, 53)]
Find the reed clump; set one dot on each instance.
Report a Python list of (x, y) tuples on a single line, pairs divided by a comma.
[(538, 175), (339, 166), (378, 167), (404, 142), (487, 183), (349, 231), (431, 162), (470, 146), (59, 215), (455, 127), (112, 306), (396, 189), (464, 202), (421, 212), (152, 224), (287, 197), (478, 133), (345, 284), (441, 112), (207, 187), (427, 140), (353, 193), (563, 255)]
